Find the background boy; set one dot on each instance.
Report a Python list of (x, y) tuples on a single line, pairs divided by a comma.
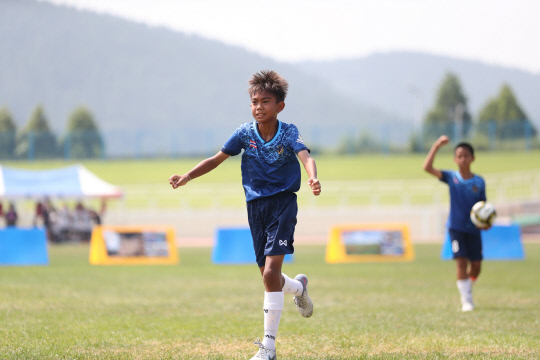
[(466, 189), (271, 176)]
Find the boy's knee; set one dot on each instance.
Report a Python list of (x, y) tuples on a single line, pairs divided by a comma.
[(271, 276), (270, 273)]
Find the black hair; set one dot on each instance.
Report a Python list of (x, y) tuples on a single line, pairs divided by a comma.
[(466, 146), (269, 81)]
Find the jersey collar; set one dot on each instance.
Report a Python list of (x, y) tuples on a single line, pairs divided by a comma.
[(461, 179), (254, 125)]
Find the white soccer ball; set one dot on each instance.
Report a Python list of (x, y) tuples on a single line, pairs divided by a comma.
[(483, 214)]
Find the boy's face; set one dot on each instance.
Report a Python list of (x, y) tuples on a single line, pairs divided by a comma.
[(463, 158), (265, 108)]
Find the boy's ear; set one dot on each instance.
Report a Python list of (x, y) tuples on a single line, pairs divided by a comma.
[(281, 106)]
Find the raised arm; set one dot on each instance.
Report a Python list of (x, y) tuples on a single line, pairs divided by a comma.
[(200, 169), (428, 163), (311, 169)]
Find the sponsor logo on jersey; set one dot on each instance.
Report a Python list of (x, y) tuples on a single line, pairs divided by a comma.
[(282, 242), (300, 140)]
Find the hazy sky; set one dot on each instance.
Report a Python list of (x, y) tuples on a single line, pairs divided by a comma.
[(500, 32)]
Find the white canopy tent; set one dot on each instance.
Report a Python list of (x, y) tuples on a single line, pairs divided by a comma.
[(68, 182)]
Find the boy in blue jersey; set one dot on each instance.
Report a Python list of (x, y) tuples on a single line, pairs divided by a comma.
[(466, 189), (271, 176)]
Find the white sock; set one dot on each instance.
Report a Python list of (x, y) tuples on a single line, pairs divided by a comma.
[(465, 290), (292, 286), (273, 305)]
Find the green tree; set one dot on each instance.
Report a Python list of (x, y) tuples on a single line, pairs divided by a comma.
[(364, 142), (36, 140), (82, 139), (8, 132), (449, 114), (505, 113)]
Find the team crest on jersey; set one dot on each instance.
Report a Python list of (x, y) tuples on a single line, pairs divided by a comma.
[(280, 149), (475, 189), (252, 144), (456, 181)]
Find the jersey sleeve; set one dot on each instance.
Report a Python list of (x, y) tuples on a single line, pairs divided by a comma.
[(234, 145), (446, 175), (297, 141), (483, 191)]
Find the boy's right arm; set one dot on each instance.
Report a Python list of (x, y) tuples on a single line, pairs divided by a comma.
[(428, 163), (200, 169)]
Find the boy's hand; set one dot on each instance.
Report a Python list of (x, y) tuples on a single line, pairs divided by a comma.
[(315, 186), (485, 227), (178, 180), (441, 141)]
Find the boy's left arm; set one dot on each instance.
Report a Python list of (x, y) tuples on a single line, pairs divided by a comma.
[(311, 169)]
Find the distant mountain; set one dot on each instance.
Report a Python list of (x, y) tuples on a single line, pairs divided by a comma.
[(387, 81), (156, 91), (153, 90)]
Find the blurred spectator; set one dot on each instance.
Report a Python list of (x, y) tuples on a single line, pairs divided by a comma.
[(82, 225), (39, 215), (95, 216), (11, 216), (1, 210), (49, 217), (61, 227)]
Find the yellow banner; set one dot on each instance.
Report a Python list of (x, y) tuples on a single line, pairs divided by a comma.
[(369, 242), (133, 245)]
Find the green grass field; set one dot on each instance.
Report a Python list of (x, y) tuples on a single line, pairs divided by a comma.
[(350, 180), (198, 310), (331, 167)]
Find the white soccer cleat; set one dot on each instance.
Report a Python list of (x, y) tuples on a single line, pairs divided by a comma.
[(303, 302), (264, 352), (467, 306)]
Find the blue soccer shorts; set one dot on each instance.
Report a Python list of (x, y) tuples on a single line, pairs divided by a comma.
[(466, 245), (272, 221)]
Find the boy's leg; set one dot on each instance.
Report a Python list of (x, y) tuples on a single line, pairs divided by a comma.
[(273, 299), (461, 268), (280, 228), (475, 257), (474, 254), (303, 302), (291, 286), (298, 287), (474, 270), (464, 284), (460, 250), (271, 273)]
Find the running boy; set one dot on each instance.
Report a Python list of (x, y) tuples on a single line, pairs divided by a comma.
[(270, 176), (466, 189)]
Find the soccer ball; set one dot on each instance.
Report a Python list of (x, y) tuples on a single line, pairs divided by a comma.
[(483, 214)]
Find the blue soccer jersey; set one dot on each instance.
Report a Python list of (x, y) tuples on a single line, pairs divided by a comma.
[(463, 195), (268, 168)]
